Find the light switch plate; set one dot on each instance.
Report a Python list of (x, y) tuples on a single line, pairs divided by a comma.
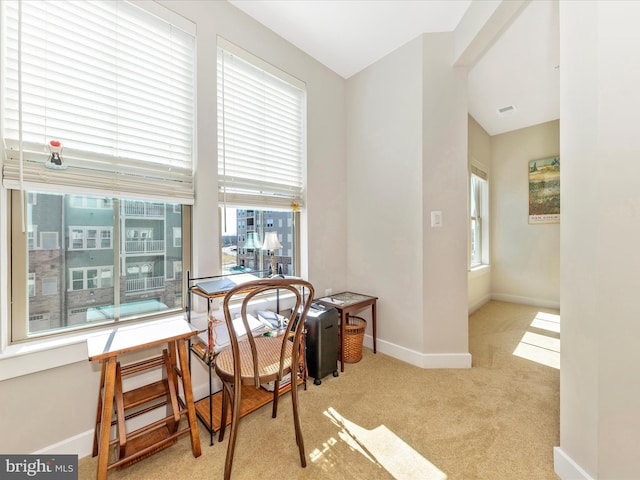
[(436, 219)]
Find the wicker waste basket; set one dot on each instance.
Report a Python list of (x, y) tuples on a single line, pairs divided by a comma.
[(353, 337)]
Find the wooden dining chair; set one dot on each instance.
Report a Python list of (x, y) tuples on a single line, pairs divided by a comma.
[(259, 360)]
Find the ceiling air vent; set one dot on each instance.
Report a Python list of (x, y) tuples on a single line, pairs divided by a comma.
[(506, 111)]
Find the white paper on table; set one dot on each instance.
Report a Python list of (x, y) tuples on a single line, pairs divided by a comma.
[(331, 300)]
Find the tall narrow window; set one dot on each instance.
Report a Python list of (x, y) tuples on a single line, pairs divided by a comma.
[(479, 201), (261, 160)]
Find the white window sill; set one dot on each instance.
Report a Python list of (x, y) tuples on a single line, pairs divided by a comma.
[(42, 354), (479, 271)]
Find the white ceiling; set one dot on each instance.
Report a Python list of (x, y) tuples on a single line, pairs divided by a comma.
[(519, 69)]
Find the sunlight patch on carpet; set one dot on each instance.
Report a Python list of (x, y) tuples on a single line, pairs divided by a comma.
[(547, 321), (542, 348), (384, 448)]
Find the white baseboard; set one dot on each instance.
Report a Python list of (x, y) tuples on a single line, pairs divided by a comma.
[(422, 360), (446, 360), (81, 445), (536, 302), (476, 305), (566, 468)]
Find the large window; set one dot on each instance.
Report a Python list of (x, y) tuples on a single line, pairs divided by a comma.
[(74, 287), (98, 117), (261, 161), (479, 224)]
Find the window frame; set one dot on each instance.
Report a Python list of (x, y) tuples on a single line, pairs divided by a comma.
[(18, 308), (239, 71), (292, 233), (478, 176)]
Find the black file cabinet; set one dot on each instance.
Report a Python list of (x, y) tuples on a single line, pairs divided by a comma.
[(322, 342)]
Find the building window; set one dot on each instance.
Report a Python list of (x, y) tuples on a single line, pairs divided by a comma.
[(93, 203), (90, 238), (479, 224), (177, 237), (49, 241), (32, 234), (88, 278), (31, 284), (49, 286), (177, 270)]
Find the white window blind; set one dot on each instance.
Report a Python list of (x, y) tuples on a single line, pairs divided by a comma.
[(479, 172), (114, 83), (261, 131)]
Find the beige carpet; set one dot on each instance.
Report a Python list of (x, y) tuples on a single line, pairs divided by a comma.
[(384, 419)]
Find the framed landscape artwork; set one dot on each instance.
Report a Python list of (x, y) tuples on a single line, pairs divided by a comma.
[(544, 190)]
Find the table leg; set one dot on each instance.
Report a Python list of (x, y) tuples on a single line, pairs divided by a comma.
[(188, 398), (107, 412), (373, 319), (343, 319), (96, 441)]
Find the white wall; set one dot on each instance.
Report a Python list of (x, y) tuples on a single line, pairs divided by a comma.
[(525, 259), (445, 188), (407, 135), (384, 119), (31, 418), (600, 147)]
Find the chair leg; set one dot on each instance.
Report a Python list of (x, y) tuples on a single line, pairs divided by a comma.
[(235, 417), (296, 419), (276, 390)]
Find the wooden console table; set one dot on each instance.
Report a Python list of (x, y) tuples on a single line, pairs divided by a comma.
[(346, 303), (174, 362)]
